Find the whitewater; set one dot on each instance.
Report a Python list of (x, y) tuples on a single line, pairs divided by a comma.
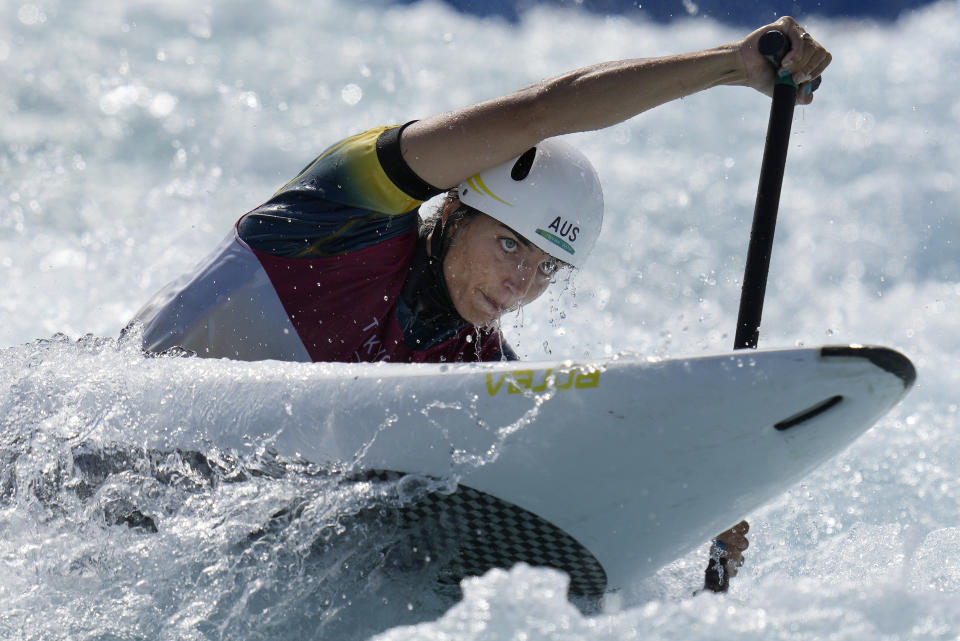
[(134, 134)]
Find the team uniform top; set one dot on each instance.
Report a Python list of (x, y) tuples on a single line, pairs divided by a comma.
[(326, 270)]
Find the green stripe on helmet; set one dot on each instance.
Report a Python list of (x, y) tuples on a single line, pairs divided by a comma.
[(556, 240)]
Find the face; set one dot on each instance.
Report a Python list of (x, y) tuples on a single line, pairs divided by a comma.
[(490, 270)]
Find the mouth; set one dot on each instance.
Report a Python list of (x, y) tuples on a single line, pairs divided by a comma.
[(491, 305)]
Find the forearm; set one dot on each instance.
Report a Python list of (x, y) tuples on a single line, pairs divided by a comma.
[(471, 139), (609, 93)]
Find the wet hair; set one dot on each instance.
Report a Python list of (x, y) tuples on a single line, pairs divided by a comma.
[(434, 221), (460, 212)]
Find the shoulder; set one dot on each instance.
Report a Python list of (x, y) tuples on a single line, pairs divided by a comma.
[(366, 170), (357, 193)]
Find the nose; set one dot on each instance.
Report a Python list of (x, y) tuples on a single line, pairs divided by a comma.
[(520, 279)]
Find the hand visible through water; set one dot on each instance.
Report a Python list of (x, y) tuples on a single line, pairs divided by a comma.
[(726, 557)]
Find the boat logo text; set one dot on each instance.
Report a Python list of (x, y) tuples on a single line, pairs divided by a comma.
[(521, 380)]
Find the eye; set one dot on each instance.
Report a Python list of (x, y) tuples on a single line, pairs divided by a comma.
[(508, 244), (549, 267)]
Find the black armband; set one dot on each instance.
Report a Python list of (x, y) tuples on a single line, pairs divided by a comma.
[(397, 169)]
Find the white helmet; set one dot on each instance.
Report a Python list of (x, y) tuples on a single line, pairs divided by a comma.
[(550, 194)]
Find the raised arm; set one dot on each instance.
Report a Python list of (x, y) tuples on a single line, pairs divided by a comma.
[(450, 147)]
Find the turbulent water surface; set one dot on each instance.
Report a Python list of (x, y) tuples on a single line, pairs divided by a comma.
[(133, 135)]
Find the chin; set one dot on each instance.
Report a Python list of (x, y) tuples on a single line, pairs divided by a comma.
[(482, 321), (474, 315)]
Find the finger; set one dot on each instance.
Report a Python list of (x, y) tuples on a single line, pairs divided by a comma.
[(740, 529), (807, 58), (798, 36), (790, 28), (805, 63), (807, 83), (742, 543), (733, 556), (732, 566), (738, 545), (735, 538), (731, 538), (787, 24), (820, 63)]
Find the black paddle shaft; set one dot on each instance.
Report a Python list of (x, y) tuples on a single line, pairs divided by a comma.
[(774, 45)]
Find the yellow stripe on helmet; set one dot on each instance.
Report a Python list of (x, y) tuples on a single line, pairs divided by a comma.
[(482, 187)]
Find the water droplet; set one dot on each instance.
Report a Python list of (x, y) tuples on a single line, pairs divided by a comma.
[(351, 94)]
